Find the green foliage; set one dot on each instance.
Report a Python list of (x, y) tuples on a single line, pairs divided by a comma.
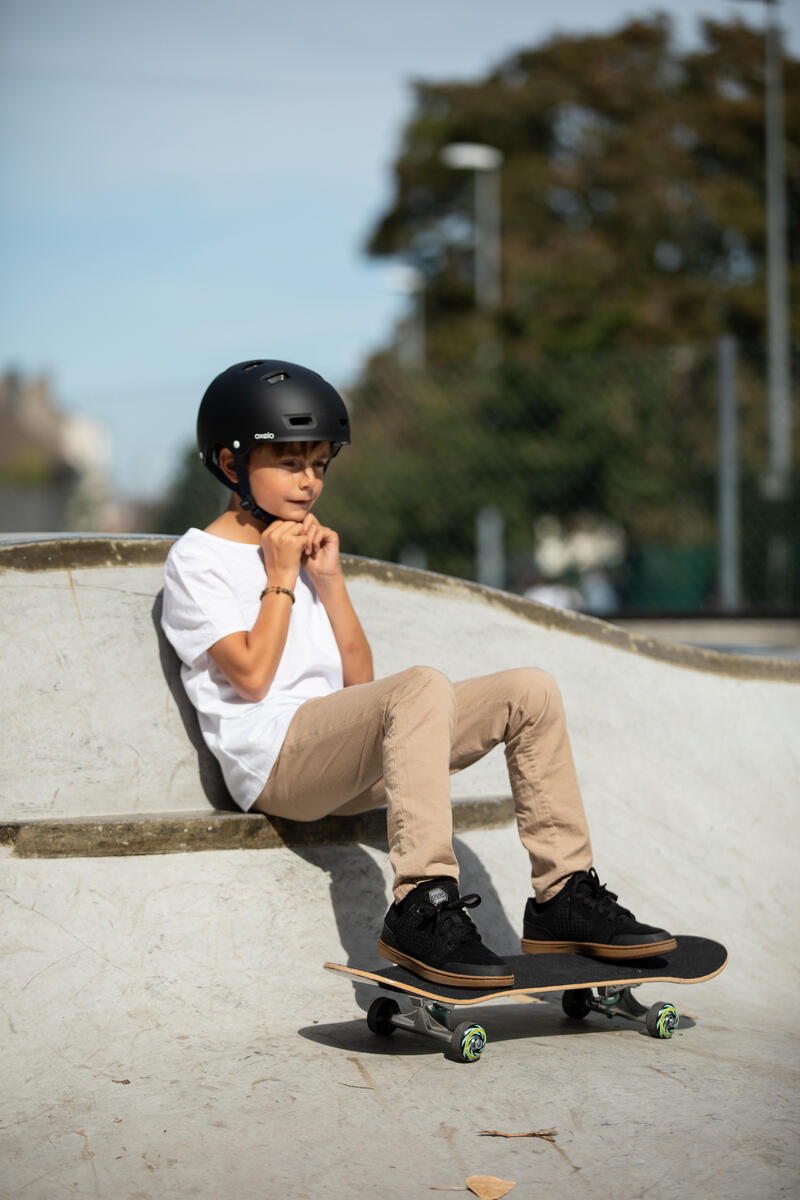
[(196, 499), (558, 437), (628, 436)]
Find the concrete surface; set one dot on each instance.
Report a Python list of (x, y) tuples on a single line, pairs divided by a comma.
[(93, 696), (170, 1031)]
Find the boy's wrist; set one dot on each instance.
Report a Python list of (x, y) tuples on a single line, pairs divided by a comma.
[(285, 579), (321, 582)]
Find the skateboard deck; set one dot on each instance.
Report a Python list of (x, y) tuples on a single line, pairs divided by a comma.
[(588, 984)]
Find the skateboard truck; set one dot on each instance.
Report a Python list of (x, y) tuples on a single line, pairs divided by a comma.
[(660, 1019), (464, 1043)]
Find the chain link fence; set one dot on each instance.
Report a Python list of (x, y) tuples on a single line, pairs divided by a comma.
[(597, 482)]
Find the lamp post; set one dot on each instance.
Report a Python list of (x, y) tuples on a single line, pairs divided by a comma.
[(778, 358), (777, 481), (411, 348), (485, 161)]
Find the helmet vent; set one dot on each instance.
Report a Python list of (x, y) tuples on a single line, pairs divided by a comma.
[(303, 419), (257, 362), (280, 375)]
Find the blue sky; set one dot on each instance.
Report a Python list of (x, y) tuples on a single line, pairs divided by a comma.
[(187, 183)]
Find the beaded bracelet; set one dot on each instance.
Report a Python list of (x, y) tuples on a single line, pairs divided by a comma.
[(275, 588)]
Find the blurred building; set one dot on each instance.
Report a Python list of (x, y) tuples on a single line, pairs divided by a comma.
[(54, 465)]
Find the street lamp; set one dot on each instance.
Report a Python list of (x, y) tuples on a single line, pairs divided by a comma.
[(778, 360), (778, 479), (411, 342), (485, 161)]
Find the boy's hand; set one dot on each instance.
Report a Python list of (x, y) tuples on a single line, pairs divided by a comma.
[(283, 544), (321, 551)]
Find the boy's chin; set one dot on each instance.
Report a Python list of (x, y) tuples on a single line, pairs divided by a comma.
[(294, 512)]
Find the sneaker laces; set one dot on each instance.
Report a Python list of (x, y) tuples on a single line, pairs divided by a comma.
[(449, 918), (596, 895)]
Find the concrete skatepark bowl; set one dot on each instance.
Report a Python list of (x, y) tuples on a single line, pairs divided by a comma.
[(170, 1031)]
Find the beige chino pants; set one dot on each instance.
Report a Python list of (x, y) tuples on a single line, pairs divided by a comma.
[(396, 741)]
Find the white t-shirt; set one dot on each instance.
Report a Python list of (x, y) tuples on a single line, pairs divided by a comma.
[(212, 588)]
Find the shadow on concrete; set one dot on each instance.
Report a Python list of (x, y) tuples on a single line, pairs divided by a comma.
[(539, 1017), (360, 897), (208, 769), (503, 1023)]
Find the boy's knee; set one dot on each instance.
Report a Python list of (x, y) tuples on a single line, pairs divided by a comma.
[(427, 682), (428, 678), (538, 689)]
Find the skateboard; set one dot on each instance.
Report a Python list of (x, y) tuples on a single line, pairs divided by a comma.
[(588, 985)]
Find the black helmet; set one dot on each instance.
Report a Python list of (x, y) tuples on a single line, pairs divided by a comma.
[(266, 400)]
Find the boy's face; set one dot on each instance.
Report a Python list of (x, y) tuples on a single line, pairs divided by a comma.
[(286, 478)]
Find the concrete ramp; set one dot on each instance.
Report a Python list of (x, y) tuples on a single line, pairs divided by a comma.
[(96, 721), (170, 1030)]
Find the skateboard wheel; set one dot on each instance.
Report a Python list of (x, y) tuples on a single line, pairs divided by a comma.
[(575, 1002), (468, 1042), (379, 1016), (661, 1020)]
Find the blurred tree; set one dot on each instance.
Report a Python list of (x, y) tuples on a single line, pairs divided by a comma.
[(632, 193), (633, 235), (626, 435)]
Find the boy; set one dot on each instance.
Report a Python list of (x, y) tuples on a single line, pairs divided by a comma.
[(280, 672)]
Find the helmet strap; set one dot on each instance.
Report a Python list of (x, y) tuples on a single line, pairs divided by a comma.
[(244, 492)]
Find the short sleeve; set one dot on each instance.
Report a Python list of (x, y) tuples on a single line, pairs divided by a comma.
[(200, 606)]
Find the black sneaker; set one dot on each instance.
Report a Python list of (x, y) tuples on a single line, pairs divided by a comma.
[(584, 918), (429, 933)]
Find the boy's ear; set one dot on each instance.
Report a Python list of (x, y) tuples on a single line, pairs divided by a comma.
[(226, 463)]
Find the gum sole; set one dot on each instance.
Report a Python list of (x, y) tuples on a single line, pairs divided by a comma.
[(445, 977), (593, 950)]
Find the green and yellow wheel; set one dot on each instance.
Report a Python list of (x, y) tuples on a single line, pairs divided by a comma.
[(467, 1042), (662, 1020)]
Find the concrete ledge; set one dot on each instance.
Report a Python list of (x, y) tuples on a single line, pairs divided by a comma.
[(79, 552), (183, 833)]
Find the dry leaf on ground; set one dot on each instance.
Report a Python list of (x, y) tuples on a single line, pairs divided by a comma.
[(489, 1187)]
